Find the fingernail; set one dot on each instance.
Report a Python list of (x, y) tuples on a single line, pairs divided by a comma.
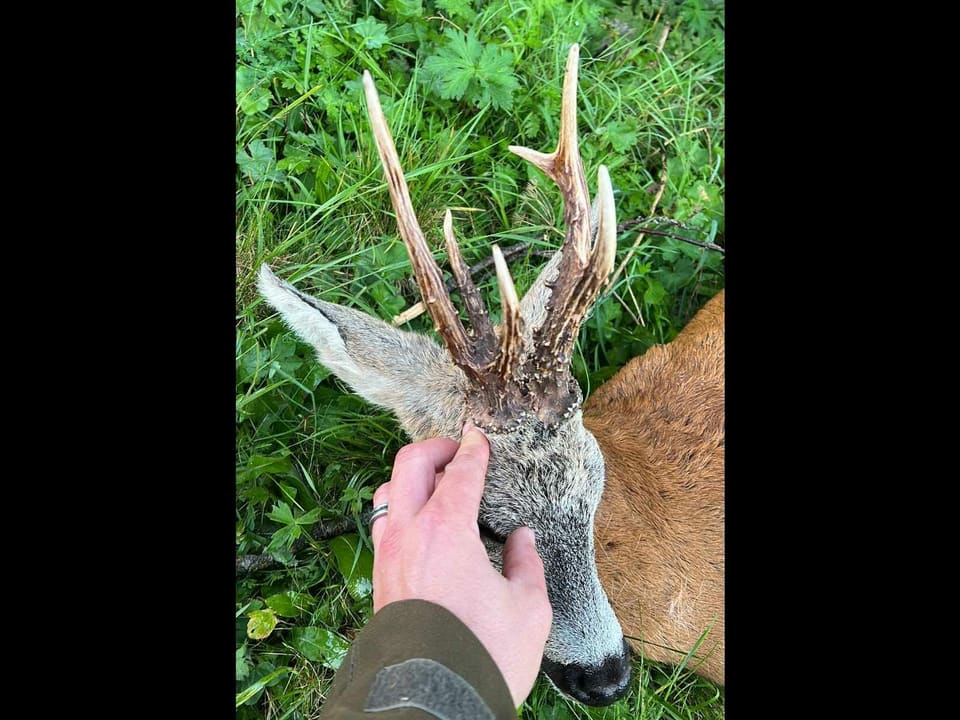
[(468, 426)]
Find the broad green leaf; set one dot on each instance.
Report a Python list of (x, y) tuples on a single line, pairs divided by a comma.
[(273, 7), (698, 16), (252, 605), (260, 465), (496, 78), (455, 65), (283, 354), (243, 665), (246, 79), (654, 293), (319, 645), (255, 101), (372, 31), (622, 134), (261, 624), (281, 513), (250, 363), (259, 28), (283, 539), (606, 317), (530, 125), (309, 518), (281, 555), (355, 563), (282, 604), (245, 7), (290, 603), (406, 8), (253, 95), (317, 7), (259, 163), (451, 78), (255, 495), (457, 8), (416, 32)]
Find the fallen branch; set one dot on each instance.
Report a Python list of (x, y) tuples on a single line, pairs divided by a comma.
[(627, 224), (323, 530)]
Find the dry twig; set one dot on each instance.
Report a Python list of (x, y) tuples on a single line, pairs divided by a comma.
[(653, 208), (663, 37), (419, 308)]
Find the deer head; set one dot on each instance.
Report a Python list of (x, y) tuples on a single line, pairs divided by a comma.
[(514, 381)]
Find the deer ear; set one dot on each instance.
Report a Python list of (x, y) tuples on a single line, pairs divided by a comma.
[(401, 371)]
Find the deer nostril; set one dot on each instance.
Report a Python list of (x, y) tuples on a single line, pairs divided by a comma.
[(600, 684)]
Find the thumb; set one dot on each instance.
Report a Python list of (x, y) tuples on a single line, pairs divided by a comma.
[(521, 563)]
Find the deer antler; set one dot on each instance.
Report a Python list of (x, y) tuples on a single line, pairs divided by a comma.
[(508, 377), (582, 269), (488, 361)]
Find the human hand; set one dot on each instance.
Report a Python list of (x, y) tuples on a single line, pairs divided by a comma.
[(428, 547)]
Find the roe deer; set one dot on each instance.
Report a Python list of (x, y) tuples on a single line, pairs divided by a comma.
[(625, 495)]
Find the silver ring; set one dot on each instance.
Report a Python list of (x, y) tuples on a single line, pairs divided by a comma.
[(378, 511)]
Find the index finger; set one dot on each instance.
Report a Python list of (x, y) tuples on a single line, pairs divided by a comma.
[(460, 488), (414, 473)]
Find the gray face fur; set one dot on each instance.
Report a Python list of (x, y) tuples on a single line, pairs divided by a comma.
[(549, 479)]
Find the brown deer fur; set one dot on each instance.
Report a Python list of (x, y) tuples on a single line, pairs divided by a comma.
[(659, 528)]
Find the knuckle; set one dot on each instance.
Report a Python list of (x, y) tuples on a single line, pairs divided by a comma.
[(409, 457), (382, 494), (408, 453), (431, 517), (468, 463), (434, 520)]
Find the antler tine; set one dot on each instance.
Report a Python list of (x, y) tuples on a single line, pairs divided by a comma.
[(565, 167), (555, 337), (582, 270), (511, 335), (425, 268), (605, 247), (484, 340)]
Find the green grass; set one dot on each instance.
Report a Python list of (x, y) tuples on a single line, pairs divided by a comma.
[(311, 201)]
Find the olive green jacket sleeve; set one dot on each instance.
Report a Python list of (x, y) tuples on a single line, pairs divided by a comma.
[(416, 660)]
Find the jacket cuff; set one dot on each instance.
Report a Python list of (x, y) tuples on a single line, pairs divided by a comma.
[(417, 659)]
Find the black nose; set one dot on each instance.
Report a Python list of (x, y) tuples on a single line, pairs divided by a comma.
[(601, 684)]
